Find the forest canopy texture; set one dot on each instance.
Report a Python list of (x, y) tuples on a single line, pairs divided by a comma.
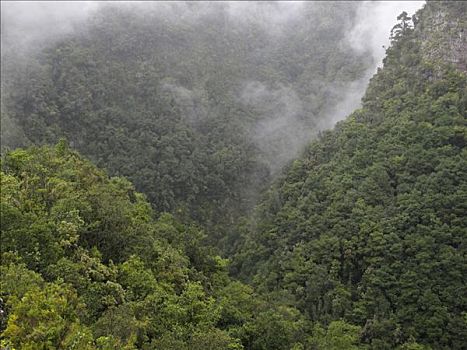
[(224, 218), (199, 107)]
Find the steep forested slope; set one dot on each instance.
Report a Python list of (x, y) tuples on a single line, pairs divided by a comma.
[(195, 104), (359, 244), (370, 225), (86, 266)]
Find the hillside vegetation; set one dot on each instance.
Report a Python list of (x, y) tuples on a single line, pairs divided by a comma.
[(356, 241), (86, 266), (369, 226), (199, 106)]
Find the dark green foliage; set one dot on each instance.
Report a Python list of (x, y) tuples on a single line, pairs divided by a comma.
[(359, 244), (85, 262), (370, 225), (162, 101)]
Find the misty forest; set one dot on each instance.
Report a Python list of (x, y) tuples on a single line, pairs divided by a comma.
[(233, 175)]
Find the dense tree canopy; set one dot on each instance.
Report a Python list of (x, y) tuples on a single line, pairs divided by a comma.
[(370, 225), (359, 243), (198, 114), (85, 265)]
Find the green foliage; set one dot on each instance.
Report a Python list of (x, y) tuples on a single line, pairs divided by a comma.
[(47, 317), (161, 101), (338, 336), (358, 245), (369, 226), (87, 265)]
